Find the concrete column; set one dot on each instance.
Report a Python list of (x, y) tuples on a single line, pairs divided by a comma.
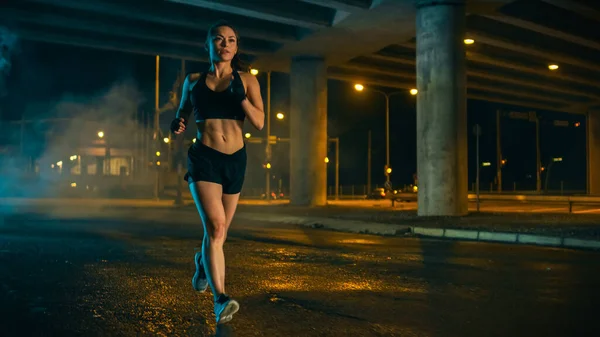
[(593, 148), (441, 108), (308, 131)]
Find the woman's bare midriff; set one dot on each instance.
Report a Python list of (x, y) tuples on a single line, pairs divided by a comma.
[(223, 135)]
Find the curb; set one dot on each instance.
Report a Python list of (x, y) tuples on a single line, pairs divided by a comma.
[(361, 227), (506, 237), (351, 226)]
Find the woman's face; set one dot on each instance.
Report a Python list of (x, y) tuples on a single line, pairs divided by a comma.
[(223, 45)]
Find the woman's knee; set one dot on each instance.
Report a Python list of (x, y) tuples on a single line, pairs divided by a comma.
[(217, 229)]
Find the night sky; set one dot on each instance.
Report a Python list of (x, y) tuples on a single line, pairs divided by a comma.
[(45, 74)]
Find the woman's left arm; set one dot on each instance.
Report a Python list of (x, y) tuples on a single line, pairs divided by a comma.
[(253, 105)]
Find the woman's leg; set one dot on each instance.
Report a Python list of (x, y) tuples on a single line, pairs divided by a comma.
[(230, 202), (208, 198)]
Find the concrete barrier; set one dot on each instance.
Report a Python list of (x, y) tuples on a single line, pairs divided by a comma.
[(569, 201)]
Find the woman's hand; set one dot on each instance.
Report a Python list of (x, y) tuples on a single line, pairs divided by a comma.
[(178, 125)]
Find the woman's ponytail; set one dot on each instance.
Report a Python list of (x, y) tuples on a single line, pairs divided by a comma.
[(238, 64)]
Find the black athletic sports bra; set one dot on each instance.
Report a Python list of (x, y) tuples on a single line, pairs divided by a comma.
[(209, 104)]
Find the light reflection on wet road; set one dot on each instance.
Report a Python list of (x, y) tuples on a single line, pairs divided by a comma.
[(114, 278)]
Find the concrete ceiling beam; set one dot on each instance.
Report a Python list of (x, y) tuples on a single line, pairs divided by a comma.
[(354, 78), (471, 83), (167, 14), (544, 30), (350, 6), (484, 59), (495, 77), (111, 44), (544, 55), (335, 73), (118, 29), (576, 7), (526, 104), (496, 62), (288, 12)]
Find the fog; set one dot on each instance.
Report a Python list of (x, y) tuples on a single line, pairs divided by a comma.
[(8, 48), (54, 149)]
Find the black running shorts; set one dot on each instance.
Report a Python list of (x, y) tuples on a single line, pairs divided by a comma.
[(208, 164)]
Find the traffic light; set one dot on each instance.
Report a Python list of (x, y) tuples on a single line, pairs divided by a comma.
[(267, 165)]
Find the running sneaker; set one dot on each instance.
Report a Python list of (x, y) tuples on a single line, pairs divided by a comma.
[(199, 281), (225, 307)]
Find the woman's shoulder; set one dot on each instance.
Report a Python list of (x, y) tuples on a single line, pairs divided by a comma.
[(193, 77), (247, 77)]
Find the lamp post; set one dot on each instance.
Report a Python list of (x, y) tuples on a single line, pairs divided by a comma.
[(477, 132), (268, 149), (268, 146), (360, 87), (336, 140), (156, 125)]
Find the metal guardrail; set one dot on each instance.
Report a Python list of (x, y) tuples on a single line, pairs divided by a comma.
[(570, 200)]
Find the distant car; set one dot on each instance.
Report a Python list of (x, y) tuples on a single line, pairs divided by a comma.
[(274, 195), (406, 194), (411, 189), (376, 194)]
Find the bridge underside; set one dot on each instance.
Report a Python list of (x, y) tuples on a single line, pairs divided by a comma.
[(374, 42)]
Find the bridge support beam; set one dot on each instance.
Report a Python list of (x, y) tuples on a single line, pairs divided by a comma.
[(593, 148), (308, 131), (441, 108)]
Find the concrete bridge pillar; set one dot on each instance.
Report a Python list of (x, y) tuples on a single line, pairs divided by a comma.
[(308, 131), (441, 108), (593, 148)]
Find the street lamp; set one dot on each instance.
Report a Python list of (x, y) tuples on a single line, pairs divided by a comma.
[(100, 134), (336, 140), (550, 165), (414, 92), (166, 140), (360, 87), (248, 135), (268, 127)]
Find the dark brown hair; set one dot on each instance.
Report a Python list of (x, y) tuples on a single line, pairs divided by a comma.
[(236, 62)]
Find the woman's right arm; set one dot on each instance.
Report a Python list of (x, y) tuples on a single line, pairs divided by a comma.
[(179, 124)]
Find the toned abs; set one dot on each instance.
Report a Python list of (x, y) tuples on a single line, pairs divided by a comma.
[(223, 135)]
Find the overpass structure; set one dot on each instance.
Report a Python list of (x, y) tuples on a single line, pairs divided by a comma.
[(539, 54)]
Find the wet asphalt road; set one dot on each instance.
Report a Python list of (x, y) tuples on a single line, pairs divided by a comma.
[(110, 277)]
